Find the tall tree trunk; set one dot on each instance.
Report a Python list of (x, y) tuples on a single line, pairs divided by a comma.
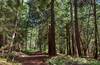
[(77, 33), (1, 40), (96, 31), (39, 38), (14, 34), (30, 45), (68, 39), (51, 36), (72, 32)]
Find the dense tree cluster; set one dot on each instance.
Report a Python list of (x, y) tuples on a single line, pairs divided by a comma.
[(58, 26)]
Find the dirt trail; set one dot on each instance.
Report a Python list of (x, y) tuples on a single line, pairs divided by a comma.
[(35, 59)]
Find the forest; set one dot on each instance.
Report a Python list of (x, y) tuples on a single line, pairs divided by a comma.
[(49, 32)]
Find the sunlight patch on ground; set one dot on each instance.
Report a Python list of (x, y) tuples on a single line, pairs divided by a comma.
[(4, 62)]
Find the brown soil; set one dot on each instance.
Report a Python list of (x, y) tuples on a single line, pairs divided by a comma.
[(37, 58)]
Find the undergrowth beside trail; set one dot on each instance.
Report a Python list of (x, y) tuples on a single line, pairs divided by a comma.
[(68, 60), (4, 61)]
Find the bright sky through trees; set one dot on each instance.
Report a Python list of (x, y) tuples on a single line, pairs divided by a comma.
[(25, 0)]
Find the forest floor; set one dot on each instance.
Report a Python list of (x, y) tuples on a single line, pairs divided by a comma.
[(38, 58), (4, 61)]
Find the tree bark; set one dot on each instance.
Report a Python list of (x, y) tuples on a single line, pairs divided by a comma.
[(77, 33), (72, 29), (96, 31), (51, 35)]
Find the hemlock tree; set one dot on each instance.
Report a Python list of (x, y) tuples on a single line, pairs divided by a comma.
[(77, 33), (51, 34), (96, 30)]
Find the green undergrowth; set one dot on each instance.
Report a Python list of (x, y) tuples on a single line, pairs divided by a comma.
[(29, 51), (68, 60), (4, 61)]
